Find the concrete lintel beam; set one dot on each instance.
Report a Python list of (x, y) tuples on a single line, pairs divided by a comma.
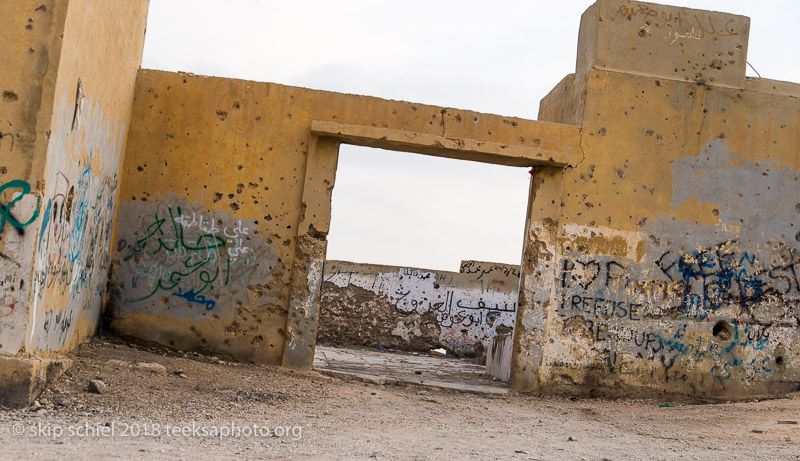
[(463, 149)]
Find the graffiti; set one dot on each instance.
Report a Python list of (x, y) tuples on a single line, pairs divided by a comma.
[(9, 136), (722, 276), (193, 297), (7, 302), (705, 26), (72, 223), (606, 300), (6, 215), (466, 309), (475, 267), (189, 255)]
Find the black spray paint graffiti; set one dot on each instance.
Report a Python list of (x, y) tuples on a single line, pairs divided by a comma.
[(607, 299), (722, 276)]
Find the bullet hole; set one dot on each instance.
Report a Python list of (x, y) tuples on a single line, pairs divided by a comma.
[(234, 206), (722, 331), (797, 207), (138, 168), (649, 132), (239, 188), (41, 9), (217, 197), (239, 167), (236, 104), (31, 51), (3, 170), (602, 131), (258, 118), (222, 115), (658, 83), (252, 185), (268, 217), (230, 196), (10, 96), (779, 360)]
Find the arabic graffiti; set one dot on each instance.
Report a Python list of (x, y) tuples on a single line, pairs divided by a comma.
[(5, 209), (669, 19), (466, 307), (483, 269), (187, 254)]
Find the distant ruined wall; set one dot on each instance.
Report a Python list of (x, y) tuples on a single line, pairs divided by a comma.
[(417, 309), (670, 263)]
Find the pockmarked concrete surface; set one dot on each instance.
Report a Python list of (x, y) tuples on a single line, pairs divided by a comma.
[(311, 416), (382, 367)]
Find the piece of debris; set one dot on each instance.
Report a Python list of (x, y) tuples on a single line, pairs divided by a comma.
[(62, 402), (757, 431), (570, 439), (439, 351), (787, 421), (667, 405), (152, 367), (35, 406), (523, 452), (97, 387), (417, 372)]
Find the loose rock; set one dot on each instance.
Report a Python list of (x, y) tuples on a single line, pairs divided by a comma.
[(152, 367), (97, 387)]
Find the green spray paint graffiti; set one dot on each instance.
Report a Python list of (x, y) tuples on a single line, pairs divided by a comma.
[(5, 210)]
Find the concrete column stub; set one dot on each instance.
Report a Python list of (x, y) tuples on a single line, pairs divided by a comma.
[(664, 41)]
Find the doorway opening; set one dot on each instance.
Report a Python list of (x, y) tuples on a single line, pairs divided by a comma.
[(421, 277)]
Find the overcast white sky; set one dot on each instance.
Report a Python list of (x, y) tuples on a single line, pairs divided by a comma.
[(499, 57)]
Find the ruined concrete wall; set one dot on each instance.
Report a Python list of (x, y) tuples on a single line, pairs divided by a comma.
[(61, 143), (673, 266), (31, 48), (101, 50), (212, 194), (417, 309)]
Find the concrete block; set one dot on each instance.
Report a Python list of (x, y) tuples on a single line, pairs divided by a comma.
[(23, 379)]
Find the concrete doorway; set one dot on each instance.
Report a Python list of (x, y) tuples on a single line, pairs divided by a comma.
[(406, 296)]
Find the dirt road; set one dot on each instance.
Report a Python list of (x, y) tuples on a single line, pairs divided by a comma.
[(193, 407)]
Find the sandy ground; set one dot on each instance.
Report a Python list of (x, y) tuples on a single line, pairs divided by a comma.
[(159, 413)]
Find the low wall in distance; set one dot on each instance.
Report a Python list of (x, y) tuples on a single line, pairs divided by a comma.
[(418, 309)]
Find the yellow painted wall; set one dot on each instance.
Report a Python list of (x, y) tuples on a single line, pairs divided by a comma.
[(212, 194), (59, 163), (672, 263), (30, 40), (101, 53)]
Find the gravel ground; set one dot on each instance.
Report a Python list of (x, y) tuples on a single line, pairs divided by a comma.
[(165, 405)]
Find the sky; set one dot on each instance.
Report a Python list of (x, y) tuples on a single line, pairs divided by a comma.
[(498, 57)]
